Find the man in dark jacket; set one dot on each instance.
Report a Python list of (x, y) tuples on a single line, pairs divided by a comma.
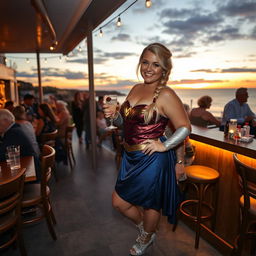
[(12, 134)]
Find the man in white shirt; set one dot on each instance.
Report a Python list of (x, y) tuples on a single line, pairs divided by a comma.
[(240, 110)]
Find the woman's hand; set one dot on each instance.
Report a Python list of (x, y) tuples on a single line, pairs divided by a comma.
[(153, 146), (109, 110)]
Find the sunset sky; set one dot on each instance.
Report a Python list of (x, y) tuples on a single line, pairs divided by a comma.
[(213, 44)]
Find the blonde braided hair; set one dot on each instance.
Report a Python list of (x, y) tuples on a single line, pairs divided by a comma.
[(165, 62)]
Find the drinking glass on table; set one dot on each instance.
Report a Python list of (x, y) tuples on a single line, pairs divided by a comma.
[(13, 153), (111, 100)]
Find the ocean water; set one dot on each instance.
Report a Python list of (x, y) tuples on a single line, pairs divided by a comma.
[(219, 98)]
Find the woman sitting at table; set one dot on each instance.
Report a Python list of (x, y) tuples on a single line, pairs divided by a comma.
[(19, 113), (47, 120), (200, 116)]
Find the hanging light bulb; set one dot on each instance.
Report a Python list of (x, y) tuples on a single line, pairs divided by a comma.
[(148, 3), (119, 23), (51, 48), (101, 33), (45, 60), (60, 58), (27, 60), (79, 48)]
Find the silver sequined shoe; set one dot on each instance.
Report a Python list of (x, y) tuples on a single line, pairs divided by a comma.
[(142, 243)]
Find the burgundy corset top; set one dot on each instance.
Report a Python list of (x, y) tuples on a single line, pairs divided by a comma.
[(135, 129)]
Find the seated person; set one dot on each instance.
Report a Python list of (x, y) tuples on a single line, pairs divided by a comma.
[(101, 124), (200, 116), (240, 110), (9, 105), (12, 134), (29, 105), (47, 120), (19, 113), (63, 119)]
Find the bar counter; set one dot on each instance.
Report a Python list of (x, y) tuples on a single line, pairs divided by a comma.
[(214, 151)]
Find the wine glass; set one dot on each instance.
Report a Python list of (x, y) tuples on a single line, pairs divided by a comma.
[(111, 100)]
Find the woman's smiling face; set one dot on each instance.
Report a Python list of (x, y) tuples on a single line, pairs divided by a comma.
[(150, 68)]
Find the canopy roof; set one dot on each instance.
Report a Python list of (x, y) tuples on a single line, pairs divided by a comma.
[(27, 26)]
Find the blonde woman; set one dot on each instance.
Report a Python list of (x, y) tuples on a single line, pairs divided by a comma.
[(147, 174)]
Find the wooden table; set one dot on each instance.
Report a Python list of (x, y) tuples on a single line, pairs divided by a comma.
[(27, 164)]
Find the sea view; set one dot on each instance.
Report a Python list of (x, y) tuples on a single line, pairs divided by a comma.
[(219, 98)]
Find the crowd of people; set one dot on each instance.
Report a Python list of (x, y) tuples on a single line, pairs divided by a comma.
[(25, 125)]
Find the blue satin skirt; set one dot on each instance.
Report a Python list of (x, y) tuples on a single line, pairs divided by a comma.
[(150, 181)]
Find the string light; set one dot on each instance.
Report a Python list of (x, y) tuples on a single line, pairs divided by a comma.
[(45, 60), (27, 60), (79, 48), (114, 18), (119, 23), (148, 3), (101, 33)]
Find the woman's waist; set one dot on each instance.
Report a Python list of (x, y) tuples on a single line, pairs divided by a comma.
[(137, 147)]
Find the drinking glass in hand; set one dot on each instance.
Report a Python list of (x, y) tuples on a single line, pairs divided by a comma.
[(111, 100)]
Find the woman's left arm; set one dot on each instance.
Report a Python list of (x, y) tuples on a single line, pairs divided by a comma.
[(169, 105)]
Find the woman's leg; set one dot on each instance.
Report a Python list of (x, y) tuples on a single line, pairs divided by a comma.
[(151, 219), (128, 210)]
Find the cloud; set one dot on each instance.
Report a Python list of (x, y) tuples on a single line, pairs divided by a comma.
[(117, 55), (192, 25), (53, 72), (175, 13), (245, 9), (121, 37), (227, 70)]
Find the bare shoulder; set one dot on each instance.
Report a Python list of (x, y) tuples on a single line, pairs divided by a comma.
[(168, 94)]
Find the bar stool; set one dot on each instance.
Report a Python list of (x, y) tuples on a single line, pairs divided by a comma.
[(247, 182), (201, 177)]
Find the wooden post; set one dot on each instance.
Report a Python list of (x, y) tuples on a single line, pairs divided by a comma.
[(40, 89), (92, 97)]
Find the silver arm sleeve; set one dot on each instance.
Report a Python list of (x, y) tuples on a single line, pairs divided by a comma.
[(118, 120), (177, 137)]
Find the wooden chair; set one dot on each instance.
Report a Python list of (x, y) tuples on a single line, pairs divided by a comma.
[(49, 139), (247, 182), (37, 196), (68, 145), (10, 213)]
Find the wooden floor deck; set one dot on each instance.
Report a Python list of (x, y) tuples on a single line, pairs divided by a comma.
[(87, 225)]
